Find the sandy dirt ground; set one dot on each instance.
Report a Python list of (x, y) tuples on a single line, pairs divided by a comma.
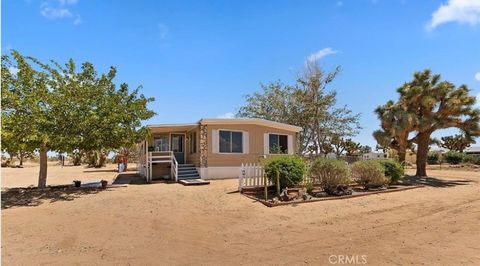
[(57, 175), (170, 224)]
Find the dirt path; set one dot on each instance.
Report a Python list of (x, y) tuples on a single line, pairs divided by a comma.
[(169, 224)]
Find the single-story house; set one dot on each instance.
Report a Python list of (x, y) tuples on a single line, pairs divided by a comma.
[(212, 148)]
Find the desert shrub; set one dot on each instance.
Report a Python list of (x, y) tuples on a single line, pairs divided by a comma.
[(369, 174), (291, 169), (309, 187), (472, 158), (393, 169), (433, 157), (330, 173), (453, 157)]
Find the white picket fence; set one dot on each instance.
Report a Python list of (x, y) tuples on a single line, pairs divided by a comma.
[(252, 175)]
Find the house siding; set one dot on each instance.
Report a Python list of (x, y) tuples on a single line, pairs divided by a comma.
[(213, 165), (193, 158), (256, 145)]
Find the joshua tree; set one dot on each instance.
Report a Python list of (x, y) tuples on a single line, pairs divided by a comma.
[(455, 143), (396, 123), (437, 105), (351, 147)]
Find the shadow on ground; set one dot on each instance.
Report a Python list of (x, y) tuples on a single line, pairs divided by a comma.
[(435, 182), (100, 171), (129, 179), (32, 196)]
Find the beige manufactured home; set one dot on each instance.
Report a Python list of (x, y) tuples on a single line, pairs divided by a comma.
[(212, 148)]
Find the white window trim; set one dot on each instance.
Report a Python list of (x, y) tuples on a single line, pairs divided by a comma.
[(267, 143), (244, 133)]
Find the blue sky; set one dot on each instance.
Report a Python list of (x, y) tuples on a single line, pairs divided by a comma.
[(200, 58)]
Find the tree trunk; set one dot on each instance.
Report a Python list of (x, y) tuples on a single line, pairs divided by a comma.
[(402, 154), (102, 158), (422, 153), (42, 176), (21, 158)]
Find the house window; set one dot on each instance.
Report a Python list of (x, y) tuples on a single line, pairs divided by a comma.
[(161, 143), (230, 141), (193, 142), (278, 143)]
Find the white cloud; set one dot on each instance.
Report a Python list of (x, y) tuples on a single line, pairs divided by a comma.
[(227, 115), (52, 13), (460, 11), (477, 76), (60, 9), (77, 20), (67, 2), (163, 30), (320, 54)]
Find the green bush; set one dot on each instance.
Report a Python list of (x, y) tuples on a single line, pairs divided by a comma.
[(433, 157), (330, 173), (291, 169), (472, 158), (453, 157), (393, 169), (369, 174), (309, 187)]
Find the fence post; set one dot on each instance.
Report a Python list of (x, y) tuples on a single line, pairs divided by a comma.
[(240, 178), (278, 183), (266, 186)]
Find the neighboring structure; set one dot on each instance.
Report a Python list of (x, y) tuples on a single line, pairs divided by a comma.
[(473, 150), (374, 156), (212, 148)]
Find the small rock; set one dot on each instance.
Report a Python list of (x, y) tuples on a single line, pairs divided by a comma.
[(306, 196)]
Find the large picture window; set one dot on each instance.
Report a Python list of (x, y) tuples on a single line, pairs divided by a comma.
[(230, 141), (278, 143)]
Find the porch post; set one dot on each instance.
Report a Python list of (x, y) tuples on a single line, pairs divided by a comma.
[(147, 161), (203, 151)]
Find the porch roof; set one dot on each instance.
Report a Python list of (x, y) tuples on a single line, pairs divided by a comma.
[(159, 128), (249, 121), (162, 128)]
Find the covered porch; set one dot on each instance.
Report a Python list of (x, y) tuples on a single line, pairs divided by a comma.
[(169, 153)]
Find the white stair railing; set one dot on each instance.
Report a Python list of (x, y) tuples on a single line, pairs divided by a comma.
[(174, 168), (163, 157)]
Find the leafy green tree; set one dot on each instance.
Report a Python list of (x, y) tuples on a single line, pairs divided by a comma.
[(61, 109), (338, 144), (306, 104), (457, 143), (365, 149)]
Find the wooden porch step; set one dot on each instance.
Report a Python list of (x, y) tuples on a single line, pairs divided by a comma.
[(193, 182)]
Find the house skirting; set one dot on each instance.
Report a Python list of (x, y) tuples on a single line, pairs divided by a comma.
[(219, 172)]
